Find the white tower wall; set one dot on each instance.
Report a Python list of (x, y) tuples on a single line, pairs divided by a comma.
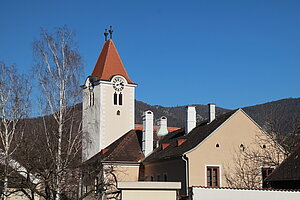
[(104, 122)]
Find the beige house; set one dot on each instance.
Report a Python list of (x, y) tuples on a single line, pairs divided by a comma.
[(216, 153)]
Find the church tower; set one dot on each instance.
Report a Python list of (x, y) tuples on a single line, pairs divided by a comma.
[(108, 102)]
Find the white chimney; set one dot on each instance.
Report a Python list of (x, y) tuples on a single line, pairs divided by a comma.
[(190, 118), (163, 126), (211, 112), (147, 142)]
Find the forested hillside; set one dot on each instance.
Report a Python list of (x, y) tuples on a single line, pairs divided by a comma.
[(282, 115)]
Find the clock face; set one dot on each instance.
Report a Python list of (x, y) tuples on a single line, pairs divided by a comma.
[(118, 84)]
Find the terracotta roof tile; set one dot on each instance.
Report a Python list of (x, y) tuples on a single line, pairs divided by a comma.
[(140, 127), (126, 148), (109, 63)]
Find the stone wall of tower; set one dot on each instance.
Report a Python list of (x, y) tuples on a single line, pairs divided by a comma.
[(91, 124), (104, 122), (114, 125)]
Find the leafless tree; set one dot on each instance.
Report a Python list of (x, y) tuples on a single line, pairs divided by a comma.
[(99, 180), (282, 140), (14, 106), (58, 69), (250, 160), (288, 140)]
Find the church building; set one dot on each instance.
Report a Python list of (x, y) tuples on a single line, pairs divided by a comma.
[(108, 102)]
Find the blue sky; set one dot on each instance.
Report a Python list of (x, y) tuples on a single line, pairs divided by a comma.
[(231, 52)]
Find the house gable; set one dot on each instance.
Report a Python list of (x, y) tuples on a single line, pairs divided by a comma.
[(220, 147)]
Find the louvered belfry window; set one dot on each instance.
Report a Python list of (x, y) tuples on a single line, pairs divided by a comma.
[(120, 99), (115, 98)]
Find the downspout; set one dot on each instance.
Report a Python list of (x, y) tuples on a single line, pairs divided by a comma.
[(186, 160)]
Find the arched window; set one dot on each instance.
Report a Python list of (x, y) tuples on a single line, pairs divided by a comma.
[(90, 98), (91, 90), (115, 98), (120, 99), (118, 112), (93, 98)]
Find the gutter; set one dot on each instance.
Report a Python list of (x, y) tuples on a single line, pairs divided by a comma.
[(185, 159)]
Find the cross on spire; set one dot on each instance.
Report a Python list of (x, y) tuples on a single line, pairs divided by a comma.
[(110, 32), (105, 34)]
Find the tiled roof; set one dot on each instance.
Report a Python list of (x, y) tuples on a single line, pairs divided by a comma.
[(126, 148), (192, 139), (288, 170), (170, 128), (109, 63)]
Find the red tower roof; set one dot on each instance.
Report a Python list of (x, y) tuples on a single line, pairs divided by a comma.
[(109, 63)]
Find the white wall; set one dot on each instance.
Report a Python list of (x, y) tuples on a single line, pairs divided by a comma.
[(101, 124), (242, 194)]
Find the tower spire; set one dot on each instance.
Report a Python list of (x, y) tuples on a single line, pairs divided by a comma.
[(109, 63)]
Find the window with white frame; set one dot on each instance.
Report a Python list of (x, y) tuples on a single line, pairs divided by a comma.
[(213, 176)]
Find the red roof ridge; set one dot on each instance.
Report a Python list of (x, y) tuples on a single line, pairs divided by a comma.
[(109, 63), (155, 127)]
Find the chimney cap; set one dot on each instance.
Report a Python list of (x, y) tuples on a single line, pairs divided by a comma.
[(191, 106), (211, 104), (148, 112)]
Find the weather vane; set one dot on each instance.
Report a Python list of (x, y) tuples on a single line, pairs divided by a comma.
[(105, 34)]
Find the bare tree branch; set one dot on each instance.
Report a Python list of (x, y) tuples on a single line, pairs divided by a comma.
[(58, 69), (14, 106)]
